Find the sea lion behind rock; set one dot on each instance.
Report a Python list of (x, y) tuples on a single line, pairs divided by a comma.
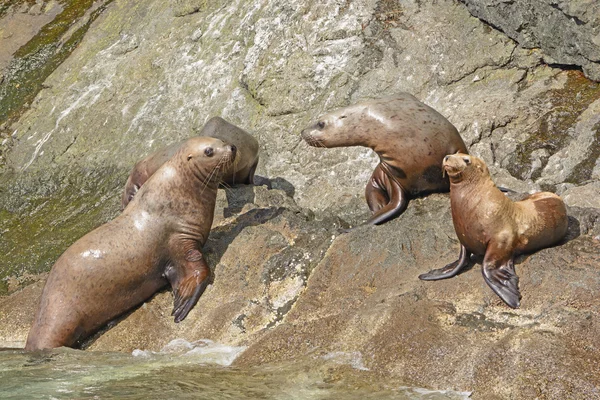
[(410, 138), (488, 223), (242, 171), (155, 241)]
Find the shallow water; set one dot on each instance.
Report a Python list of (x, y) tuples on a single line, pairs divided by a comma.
[(185, 370)]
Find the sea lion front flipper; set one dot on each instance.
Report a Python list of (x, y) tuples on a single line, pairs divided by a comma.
[(449, 270), (504, 281), (250, 179), (188, 282), (397, 197)]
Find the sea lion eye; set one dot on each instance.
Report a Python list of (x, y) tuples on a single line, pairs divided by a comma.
[(342, 117), (467, 160), (189, 157), (321, 124), (208, 151)]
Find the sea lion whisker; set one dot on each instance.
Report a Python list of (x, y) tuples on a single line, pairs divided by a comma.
[(311, 141), (222, 162), (206, 179), (226, 187), (209, 178)]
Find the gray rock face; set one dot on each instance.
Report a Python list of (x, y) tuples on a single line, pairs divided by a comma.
[(567, 32), (150, 73)]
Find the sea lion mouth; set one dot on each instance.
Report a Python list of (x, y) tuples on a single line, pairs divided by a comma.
[(455, 164), (451, 171), (311, 140)]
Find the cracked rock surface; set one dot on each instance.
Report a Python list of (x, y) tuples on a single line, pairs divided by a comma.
[(286, 285), (568, 32)]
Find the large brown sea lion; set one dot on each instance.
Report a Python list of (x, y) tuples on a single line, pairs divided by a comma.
[(242, 171), (410, 138), (488, 223), (155, 241)]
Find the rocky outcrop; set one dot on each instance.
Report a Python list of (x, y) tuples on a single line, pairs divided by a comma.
[(148, 74), (285, 284), (567, 32)]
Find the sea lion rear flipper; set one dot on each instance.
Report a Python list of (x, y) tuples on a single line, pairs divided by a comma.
[(188, 283), (375, 193), (504, 282), (449, 270), (380, 187)]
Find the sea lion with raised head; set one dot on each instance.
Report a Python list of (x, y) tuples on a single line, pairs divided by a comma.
[(157, 240), (241, 172), (490, 224), (410, 138)]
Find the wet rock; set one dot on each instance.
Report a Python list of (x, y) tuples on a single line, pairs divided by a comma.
[(17, 28)]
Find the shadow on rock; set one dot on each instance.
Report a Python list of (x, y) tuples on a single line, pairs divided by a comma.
[(583, 221), (239, 196), (282, 184), (573, 230), (221, 237)]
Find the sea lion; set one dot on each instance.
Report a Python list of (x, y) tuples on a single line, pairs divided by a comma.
[(155, 241), (490, 224), (410, 138), (240, 172)]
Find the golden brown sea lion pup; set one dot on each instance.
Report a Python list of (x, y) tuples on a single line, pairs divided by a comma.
[(410, 138), (157, 240), (242, 171), (488, 223)]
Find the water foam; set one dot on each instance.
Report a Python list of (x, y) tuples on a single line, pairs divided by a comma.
[(204, 351)]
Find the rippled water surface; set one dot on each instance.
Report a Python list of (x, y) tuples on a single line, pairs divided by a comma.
[(191, 372)]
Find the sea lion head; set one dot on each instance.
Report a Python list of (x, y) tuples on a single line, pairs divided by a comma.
[(339, 128), (207, 157), (460, 167)]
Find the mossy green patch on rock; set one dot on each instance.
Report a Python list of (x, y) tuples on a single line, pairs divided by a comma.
[(39, 57), (5, 5), (38, 223), (551, 134)]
